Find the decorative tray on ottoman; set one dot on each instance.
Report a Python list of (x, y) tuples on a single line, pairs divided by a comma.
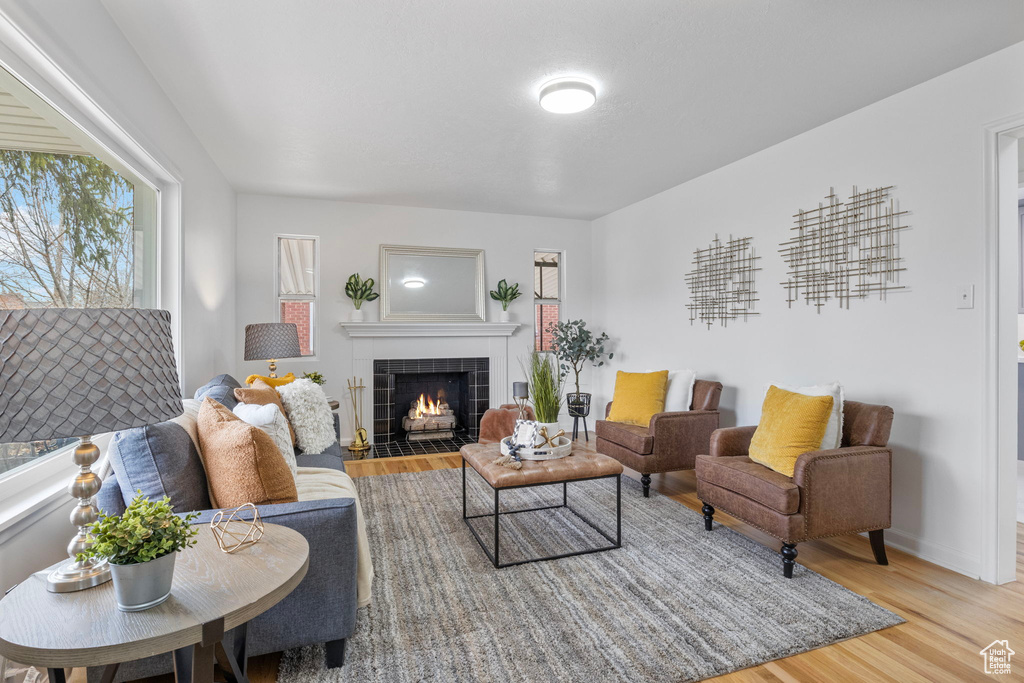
[(562, 448)]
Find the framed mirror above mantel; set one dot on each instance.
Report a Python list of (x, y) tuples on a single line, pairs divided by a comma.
[(432, 284)]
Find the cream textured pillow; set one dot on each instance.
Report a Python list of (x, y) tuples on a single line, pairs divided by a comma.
[(679, 396), (834, 431), (310, 416), (261, 394), (270, 419), (243, 464)]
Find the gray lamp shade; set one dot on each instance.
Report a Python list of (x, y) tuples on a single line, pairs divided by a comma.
[(267, 341), (67, 372)]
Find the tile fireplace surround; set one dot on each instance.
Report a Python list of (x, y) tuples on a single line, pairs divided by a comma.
[(393, 343)]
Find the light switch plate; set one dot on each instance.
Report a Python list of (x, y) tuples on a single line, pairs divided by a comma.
[(965, 296)]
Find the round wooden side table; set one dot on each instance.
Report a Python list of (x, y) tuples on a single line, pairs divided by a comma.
[(213, 593)]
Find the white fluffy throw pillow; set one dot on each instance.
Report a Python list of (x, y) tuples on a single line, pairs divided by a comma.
[(270, 419), (679, 396), (309, 414)]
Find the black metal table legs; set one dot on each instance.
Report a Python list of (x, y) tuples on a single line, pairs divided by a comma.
[(495, 557)]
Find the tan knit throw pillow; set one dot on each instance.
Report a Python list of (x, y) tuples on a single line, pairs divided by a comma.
[(243, 464), (261, 394)]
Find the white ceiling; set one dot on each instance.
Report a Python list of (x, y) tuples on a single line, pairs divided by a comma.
[(433, 102)]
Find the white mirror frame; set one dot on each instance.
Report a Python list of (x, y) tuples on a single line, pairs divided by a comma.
[(388, 250)]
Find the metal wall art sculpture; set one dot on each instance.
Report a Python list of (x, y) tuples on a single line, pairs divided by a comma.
[(722, 282), (845, 250)]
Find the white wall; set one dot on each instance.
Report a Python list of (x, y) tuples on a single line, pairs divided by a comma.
[(85, 43), (350, 236), (916, 352)]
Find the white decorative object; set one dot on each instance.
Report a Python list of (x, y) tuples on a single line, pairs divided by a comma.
[(504, 316), (309, 414), (356, 315), (679, 396), (562, 448), (270, 419), (550, 427), (834, 431)]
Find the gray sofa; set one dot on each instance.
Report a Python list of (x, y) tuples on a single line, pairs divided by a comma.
[(322, 609)]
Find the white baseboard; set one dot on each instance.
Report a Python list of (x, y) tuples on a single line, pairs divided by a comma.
[(942, 555)]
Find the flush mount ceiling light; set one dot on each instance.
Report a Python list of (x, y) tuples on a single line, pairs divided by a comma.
[(567, 96), (413, 283)]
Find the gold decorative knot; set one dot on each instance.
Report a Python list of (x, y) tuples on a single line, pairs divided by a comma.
[(233, 532)]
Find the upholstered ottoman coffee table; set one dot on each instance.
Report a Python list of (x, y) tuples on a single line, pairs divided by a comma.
[(580, 466)]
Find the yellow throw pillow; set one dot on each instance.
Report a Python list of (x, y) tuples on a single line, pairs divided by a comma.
[(272, 381), (791, 425), (639, 396)]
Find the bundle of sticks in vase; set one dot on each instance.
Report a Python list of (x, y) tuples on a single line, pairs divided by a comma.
[(429, 420)]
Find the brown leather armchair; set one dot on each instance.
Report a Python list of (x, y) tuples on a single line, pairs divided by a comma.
[(847, 490), (670, 442)]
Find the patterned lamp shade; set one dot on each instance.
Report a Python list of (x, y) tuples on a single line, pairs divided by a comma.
[(67, 372), (266, 341)]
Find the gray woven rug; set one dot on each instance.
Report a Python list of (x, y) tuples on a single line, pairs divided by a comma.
[(675, 603)]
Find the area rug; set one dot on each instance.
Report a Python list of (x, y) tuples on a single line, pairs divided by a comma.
[(674, 603)]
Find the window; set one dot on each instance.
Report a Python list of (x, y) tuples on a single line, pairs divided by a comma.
[(77, 228), (298, 280), (547, 295)]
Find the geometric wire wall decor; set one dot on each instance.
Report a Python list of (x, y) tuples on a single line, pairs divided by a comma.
[(722, 282), (845, 250)]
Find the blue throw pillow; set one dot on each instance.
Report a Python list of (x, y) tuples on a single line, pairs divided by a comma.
[(161, 460), (221, 389)]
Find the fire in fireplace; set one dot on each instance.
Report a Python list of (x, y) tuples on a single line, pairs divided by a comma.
[(428, 420)]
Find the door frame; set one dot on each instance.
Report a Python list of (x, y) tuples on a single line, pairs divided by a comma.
[(1002, 249)]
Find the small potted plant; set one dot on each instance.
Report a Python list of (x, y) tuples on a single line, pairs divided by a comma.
[(359, 290), (505, 295), (140, 546), (314, 377), (574, 346), (545, 384)]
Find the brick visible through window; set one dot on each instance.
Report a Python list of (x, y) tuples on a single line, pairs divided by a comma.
[(300, 313)]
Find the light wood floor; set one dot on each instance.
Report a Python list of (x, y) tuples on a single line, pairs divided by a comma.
[(950, 617)]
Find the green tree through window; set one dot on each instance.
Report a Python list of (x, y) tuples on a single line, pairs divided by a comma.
[(66, 232)]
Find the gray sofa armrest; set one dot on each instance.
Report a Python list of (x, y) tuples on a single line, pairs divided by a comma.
[(323, 606)]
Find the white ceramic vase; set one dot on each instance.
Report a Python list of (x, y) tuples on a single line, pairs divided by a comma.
[(357, 315), (552, 427), (504, 317)]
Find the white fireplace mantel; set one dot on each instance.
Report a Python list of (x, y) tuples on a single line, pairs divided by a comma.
[(398, 340), (395, 329)]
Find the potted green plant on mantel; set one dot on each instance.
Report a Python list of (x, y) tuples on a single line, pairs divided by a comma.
[(140, 546), (574, 346), (359, 290), (505, 294), (545, 384)]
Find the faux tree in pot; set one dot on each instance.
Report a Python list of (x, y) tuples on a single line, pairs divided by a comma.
[(141, 546), (545, 384), (359, 290), (505, 294), (574, 345)]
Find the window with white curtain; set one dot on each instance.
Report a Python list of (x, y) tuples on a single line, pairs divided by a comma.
[(298, 277)]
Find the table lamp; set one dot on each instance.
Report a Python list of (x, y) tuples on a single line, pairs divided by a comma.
[(521, 394), (270, 341), (76, 372)]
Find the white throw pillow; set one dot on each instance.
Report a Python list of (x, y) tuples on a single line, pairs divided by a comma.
[(679, 396), (270, 419), (834, 431), (309, 414)]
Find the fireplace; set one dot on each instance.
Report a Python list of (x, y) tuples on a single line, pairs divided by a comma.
[(428, 405)]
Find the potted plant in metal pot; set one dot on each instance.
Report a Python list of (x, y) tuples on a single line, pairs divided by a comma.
[(574, 346), (141, 546), (359, 290), (545, 384), (505, 294)]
